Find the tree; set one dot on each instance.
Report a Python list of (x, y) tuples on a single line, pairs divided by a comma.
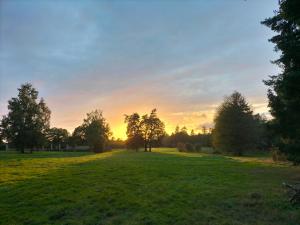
[(284, 88), (234, 125), (133, 132), (78, 136), (57, 137), (27, 121), (152, 129), (96, 131)]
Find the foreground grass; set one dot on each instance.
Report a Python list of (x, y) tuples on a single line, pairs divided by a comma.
[(163, 187)]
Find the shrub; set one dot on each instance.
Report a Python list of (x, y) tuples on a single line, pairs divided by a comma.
[(198, 147), (216, 151), (278, 155), (181, 147), (189, 147)]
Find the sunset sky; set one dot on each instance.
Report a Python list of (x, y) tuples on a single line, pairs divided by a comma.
[(181, 57)]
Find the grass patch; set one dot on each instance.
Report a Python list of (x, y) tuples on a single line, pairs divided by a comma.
[(163, 187)]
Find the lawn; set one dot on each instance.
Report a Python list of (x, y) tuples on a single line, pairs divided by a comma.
[(162, 187)]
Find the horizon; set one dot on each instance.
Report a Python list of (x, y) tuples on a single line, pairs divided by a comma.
[(181, 58)]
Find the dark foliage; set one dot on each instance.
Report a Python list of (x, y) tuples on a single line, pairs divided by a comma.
[(236, 128), (182, 137), (284, 88), (27, 121), (146, 131)]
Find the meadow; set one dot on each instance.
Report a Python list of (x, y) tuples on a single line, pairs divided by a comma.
[(162, 187)]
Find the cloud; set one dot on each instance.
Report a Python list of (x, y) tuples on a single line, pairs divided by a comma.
[(125, 57)]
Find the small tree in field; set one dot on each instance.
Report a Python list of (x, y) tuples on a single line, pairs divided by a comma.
[(27, 121), (96, 131), (235, 126), (133, 132), (152, 129)]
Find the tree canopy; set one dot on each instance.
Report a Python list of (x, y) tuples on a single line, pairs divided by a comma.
[(27, 121), (284, 88), (148, 128), (235, 126), (96, 130), (133, 131)]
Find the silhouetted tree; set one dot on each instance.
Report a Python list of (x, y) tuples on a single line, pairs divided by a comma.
[(235, 126), (133, 132), (27, 121), (78, 136), (284, 89), (152, 129), (96, 131), (192, 133)]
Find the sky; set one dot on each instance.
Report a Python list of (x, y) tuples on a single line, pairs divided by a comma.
[(181, 57)]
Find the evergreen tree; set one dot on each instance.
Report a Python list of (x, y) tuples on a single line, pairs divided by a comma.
[(235, 129), (284, 88)]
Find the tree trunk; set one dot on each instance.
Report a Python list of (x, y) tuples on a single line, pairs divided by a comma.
[(145, 146), (150, 146)]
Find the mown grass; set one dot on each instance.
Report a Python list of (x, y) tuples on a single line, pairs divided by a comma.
[(163, 187)]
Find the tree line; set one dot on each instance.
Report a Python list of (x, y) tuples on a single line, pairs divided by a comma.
[(27, 126)]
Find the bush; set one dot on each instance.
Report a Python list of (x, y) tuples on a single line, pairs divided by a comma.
[(198, 147), (181, 147), (216, 151), (278, 155), (189, 147)]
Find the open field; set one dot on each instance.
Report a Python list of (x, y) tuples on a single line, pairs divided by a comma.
[(163, 187)]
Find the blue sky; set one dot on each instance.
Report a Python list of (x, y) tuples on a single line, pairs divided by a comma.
[(181, 57)]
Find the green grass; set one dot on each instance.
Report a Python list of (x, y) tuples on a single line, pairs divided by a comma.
[(163, 187)]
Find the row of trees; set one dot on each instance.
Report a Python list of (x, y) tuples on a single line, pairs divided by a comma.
[(237, 129), (185, 141), (27, 126)]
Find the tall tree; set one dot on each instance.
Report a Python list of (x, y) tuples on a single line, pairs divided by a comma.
[(152, 129), (234, 125), (284, 88), (27, 121), (133, 132), (96, 130)]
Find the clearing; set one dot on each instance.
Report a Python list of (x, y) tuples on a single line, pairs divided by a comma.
[(162, 187)]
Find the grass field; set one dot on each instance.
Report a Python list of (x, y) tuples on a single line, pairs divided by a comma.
[(163, 187)]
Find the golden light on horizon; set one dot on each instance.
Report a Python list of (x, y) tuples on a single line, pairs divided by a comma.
[(119, 131), (192, 121)]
